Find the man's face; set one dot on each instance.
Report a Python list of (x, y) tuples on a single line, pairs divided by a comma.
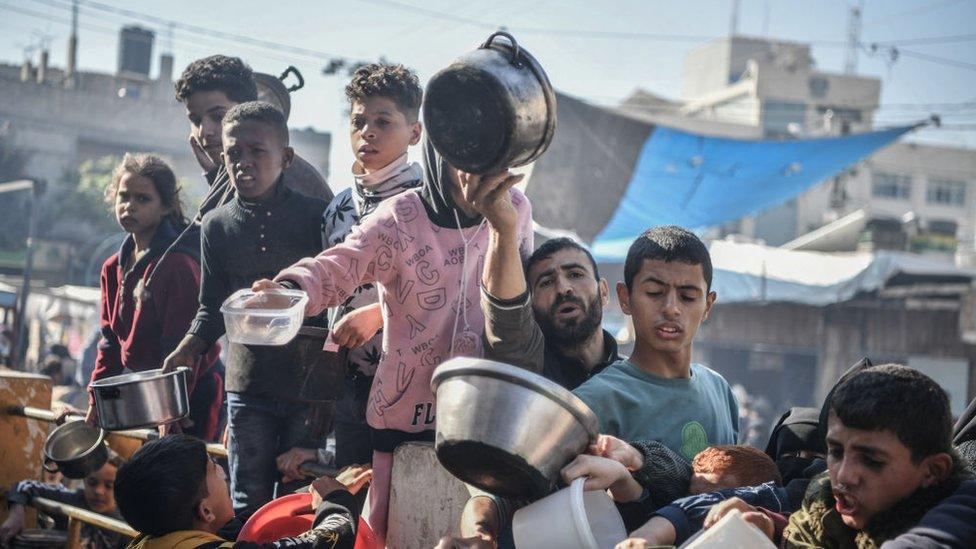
[(870, 471), (254, 157), (379, 132), (218, 496), (100, 489), (567, 299), (205, 110), (668, 300)]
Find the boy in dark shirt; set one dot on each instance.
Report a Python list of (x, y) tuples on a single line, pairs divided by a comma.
[(265, 228)]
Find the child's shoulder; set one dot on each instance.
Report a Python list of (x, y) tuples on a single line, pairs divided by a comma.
[(708, 374)]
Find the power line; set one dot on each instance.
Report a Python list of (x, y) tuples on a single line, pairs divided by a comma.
[(207, 32), (936, 59)]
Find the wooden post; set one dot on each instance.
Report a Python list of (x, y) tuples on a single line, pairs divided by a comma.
[(22, 439), (74, 534)]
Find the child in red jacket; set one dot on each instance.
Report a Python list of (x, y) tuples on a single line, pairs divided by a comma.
[(150, 292)]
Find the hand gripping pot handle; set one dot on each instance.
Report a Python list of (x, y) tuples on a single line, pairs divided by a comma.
[(515, 47)]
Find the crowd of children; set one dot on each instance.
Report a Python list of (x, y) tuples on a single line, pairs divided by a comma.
[(417, 263)]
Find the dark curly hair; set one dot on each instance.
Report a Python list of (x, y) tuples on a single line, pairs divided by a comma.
[(394, 82), (218, 73), (261, 112)]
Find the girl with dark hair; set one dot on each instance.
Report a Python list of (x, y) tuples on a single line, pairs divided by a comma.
[(148, 297)]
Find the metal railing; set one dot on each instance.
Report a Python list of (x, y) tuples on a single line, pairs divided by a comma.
[(77, 516)]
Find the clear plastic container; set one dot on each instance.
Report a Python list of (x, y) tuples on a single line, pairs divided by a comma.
[(271, 317)]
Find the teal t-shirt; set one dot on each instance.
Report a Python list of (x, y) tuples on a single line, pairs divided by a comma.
[(686, 415)]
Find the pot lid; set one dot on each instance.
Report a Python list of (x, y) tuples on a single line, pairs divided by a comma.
[(480, 367)]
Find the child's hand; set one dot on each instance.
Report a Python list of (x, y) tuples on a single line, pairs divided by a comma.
[(265, 284), (612, 447), (749, 513), (488, 195), (358, 326), (603, 473), (355, 477), (657, 531)]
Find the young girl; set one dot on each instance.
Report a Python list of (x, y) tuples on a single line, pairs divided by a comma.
[(148, 297), (425, 250)]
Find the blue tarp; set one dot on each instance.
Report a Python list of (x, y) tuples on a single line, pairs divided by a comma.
[(697, 181)]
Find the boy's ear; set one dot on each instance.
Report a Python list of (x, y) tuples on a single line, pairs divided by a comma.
[(709, 301), (416, 129), (623, 296), (288, 157), (937, 467), (203, 513)]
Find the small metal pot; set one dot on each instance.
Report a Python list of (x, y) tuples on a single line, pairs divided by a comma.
[(141, 399), (507, 430), (491, 109), (78, 449)]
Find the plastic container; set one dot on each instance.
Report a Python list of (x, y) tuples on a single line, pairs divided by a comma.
[(272, 317), (287, 516), (569, 519), (731, 532)]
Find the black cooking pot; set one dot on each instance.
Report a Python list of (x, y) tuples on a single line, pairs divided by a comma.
[(491, 109), (77, 448), (272, 89)]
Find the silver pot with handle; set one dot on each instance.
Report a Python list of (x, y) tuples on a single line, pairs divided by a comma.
[(507, 430), (141, 399), (491, 109), (76, 448)]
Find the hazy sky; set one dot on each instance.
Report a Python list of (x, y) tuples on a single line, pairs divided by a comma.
[(599, 51)]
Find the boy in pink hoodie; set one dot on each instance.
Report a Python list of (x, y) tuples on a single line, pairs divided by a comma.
[(425, 250)]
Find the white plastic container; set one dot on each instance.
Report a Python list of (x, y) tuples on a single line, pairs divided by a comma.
[(569, 519), (272, 317), (731, 532)]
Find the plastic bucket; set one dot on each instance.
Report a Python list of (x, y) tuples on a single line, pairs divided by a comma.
[(569, 518)]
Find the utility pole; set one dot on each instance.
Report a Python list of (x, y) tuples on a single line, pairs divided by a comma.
[(734, 21), (853, 37), (72, 62)]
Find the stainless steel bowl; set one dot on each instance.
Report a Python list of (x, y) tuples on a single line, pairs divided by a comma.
[(76, 448), (142, 399), (507, 430)]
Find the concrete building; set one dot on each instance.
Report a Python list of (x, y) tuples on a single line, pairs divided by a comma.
[(60, 118), (774, 88)]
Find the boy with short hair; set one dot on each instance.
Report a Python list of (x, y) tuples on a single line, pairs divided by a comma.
[(893, 479), (658, 393), (208, 88), (885, 468), (176, 495), (384, 120), (264, 228)]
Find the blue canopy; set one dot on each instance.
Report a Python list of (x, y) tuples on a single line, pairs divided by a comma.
[(697, 181)]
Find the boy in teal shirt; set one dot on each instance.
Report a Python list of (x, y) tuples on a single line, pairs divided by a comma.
[(659, 394)]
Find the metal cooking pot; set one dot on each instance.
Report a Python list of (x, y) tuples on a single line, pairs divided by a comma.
[(142, 399), (491, 109), (272, 89), (39, 539), (77, 448), (507, 430)]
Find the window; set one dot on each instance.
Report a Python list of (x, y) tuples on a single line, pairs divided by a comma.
[(946, 191), (890, 185)]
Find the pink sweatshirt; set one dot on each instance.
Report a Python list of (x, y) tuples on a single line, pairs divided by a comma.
[(421, 270)]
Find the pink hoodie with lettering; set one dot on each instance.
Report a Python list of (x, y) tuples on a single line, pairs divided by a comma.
[(422, 270)]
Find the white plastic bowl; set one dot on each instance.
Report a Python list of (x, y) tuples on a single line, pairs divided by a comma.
[(587, 520), (250, 320)]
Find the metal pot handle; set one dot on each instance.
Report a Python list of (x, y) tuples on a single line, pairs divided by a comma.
[(515, 46), (292, 70)]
